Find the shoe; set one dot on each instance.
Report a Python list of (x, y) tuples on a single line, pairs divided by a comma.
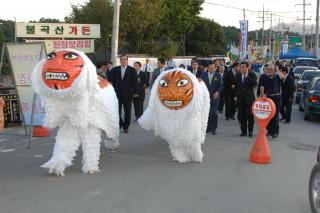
[(286, 122), (268, 134), (208, 130), (243, 134), (274, 136), (227, 119), (126, 131), (232, 118), (250, 134), (281, 119), (214, 132)]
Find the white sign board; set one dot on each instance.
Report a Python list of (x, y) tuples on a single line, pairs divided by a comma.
[(57, 30), (262, 110), (23, 58)]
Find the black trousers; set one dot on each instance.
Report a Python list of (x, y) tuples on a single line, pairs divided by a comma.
[(245, 117), (230, 105), (273, 126), (286, 108), (138, 106), (213, 115), (221, 101), (148, 79), (127, 104)]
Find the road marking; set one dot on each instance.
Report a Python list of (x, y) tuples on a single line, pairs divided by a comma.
[(6, 150)]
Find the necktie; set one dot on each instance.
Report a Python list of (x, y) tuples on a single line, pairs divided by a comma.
[(146, 69), (210, 78)]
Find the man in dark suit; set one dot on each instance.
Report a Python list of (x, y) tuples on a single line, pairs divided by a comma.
[(125, 82), (229, 83), (158, 71), (245, 83), (221, 70), (142, 81), (195, 69), (287, 95), (214, 83)]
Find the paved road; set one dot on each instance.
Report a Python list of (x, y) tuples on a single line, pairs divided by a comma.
[(140, 178)]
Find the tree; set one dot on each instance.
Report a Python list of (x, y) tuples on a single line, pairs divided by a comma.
[(95, 12), (232, 35), (180, 18), (207, 38), (140, 23)]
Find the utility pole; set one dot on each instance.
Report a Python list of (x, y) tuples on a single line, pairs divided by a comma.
[(271, 39), (262, 30), (304, 23), (317, 31), (115, 32), (244, 14)]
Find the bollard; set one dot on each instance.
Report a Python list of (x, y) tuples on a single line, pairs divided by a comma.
[(40, 131), (263, 110)]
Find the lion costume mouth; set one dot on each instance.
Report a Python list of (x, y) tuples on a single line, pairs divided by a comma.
[(173, 103), (61, 76)]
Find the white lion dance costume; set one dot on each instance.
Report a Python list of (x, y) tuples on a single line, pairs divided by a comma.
[(178, 112), (78, 102)]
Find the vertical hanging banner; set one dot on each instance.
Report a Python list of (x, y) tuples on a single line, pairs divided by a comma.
[(244, 39), (23, 57)]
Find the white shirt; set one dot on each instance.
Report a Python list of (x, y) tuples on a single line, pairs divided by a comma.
[(147, 67), (123, 71), (161, 70)]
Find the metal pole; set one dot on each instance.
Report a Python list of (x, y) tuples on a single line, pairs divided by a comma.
[(304, 26), (115, 32), (317, 31), (262, 32)]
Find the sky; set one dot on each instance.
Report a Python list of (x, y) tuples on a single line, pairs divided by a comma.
[(218, 10)]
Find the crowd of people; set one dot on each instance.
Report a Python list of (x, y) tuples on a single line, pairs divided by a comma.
[(232, 89)]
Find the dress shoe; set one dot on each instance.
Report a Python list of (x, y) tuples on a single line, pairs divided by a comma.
[(126, 131), (208, 130), (227, 119), (281, 119), (250, 134), (274, 136), (232, 118), (214, 132), (243, 134), (286, 122), (268, 134)]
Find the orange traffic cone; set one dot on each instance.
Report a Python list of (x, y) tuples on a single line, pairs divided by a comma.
[(2, 103), (263, 110), (260, 152), (40, 131)]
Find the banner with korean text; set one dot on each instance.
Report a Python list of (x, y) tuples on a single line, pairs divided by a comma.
[(243, 39)]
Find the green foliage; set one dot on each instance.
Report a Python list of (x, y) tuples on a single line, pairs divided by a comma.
[(140, 23), (206, 39), (232, 35), (7, 31), (95, 12)]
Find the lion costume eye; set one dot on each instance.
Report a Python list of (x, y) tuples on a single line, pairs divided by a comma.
[(70, 56), (182, 82), (163, 83), (51, 56)]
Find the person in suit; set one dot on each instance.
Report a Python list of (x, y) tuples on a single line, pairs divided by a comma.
[(221, 70), (195, 69), (287, 95), (214, 85), (158, 71), (245, 83), (125, 82), (229, 83), (142, 81)]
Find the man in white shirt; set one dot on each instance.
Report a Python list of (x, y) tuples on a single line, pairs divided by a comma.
[(147, 68)]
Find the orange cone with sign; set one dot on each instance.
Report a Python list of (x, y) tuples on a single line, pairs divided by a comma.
[(263, 110), (2, 103)]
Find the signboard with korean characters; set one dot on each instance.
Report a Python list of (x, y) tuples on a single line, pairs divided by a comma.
[(23, 58), (84, 45), (57, 30)]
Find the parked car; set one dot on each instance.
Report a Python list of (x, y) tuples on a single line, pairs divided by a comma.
[(309, 62), (314, 186), (305, 78), (300, 69), (310, 100)]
